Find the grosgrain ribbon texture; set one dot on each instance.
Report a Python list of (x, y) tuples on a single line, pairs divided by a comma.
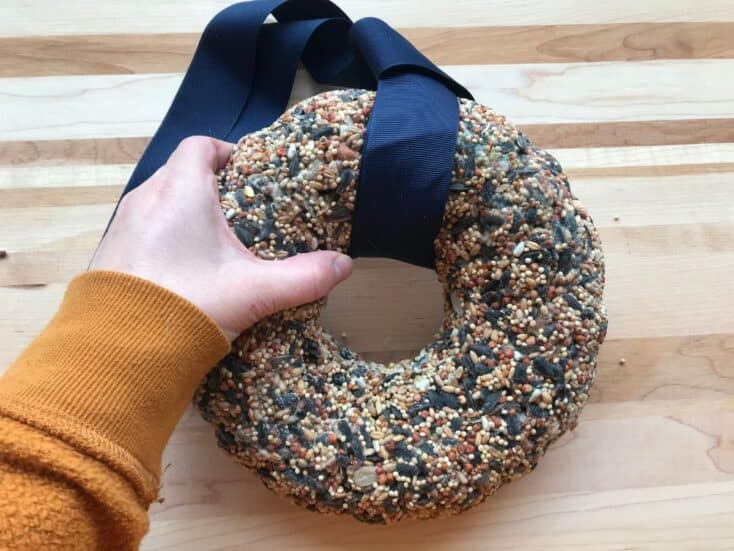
[(240, 80)]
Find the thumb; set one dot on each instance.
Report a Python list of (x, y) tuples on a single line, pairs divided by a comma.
[(299, 279)]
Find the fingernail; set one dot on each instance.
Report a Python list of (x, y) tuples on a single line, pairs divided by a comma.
[(342, 265)]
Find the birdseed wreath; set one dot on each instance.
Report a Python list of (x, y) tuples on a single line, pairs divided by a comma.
[(522, 272)]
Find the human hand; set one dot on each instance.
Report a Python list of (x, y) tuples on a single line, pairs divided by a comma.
[(171, 231)]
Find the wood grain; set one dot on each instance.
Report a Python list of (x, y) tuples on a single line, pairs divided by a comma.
[(565, 522), (697, 157), (666, 368), (680, 517), (650, 156), (639, 201), (71, 175), (570, 135), (632, 133), (649, 171), (48, 18), (633, 97), (663, 271), (573, 43), (115, 106), (103, 151), (171, 52)]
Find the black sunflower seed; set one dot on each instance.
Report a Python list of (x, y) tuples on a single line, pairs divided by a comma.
[(344, 179), (573, 302), (343, 427), (322, 132), (482, 350), (520, 377), (267, 228), (406, 469), (488, 190), (490, 399), (469, 166), (522, 142), (507, 147), (245, 236), (548, 370), (537, 411), (294, 165)]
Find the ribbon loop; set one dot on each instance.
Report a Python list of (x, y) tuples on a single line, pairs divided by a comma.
[(240, 80)]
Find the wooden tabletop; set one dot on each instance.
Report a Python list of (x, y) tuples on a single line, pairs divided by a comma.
[(636, 100)]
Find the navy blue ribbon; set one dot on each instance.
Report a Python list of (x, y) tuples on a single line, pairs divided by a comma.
[(240, 80)]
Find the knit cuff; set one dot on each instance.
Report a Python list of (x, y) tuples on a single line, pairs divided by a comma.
[(115, 368)]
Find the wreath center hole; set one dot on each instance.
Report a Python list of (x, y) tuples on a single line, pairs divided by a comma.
[(387, 310)]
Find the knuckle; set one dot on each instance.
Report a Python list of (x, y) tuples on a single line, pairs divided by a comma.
[(318, 284), (163, 182), (124, 204), (148, 195), (262, 307), (165, 177), (133, 200), (314, 291), (198, 144), (192, 142)]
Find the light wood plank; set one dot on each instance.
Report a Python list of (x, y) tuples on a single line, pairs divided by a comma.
[(106, 106), (711, 193), (124, 106), (697, 157), (650, 156), (60, 241), (629, 133), (561, 43), (171, 52), (667, 368), (251, 509), (661, 281), (666, 200), (650, 171), (34, 228), (620, 531), (567, 135), (45, 17), (591, 92), (236, 533), (52, 177), (642, 433), (585, 462)]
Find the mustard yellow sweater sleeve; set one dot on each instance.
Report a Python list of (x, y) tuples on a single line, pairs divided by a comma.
[(87, 409)]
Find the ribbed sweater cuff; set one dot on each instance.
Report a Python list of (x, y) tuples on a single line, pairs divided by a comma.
[(115, 368)]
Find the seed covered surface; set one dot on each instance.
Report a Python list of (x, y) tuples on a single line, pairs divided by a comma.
[(522, 270)]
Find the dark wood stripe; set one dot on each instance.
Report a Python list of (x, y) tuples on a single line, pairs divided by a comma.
[(64, 196), (632, 133), (95, 54), (152, 53), (609, 134), (103, 151)]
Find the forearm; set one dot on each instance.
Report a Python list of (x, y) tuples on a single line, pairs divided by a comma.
[(88, 407)]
